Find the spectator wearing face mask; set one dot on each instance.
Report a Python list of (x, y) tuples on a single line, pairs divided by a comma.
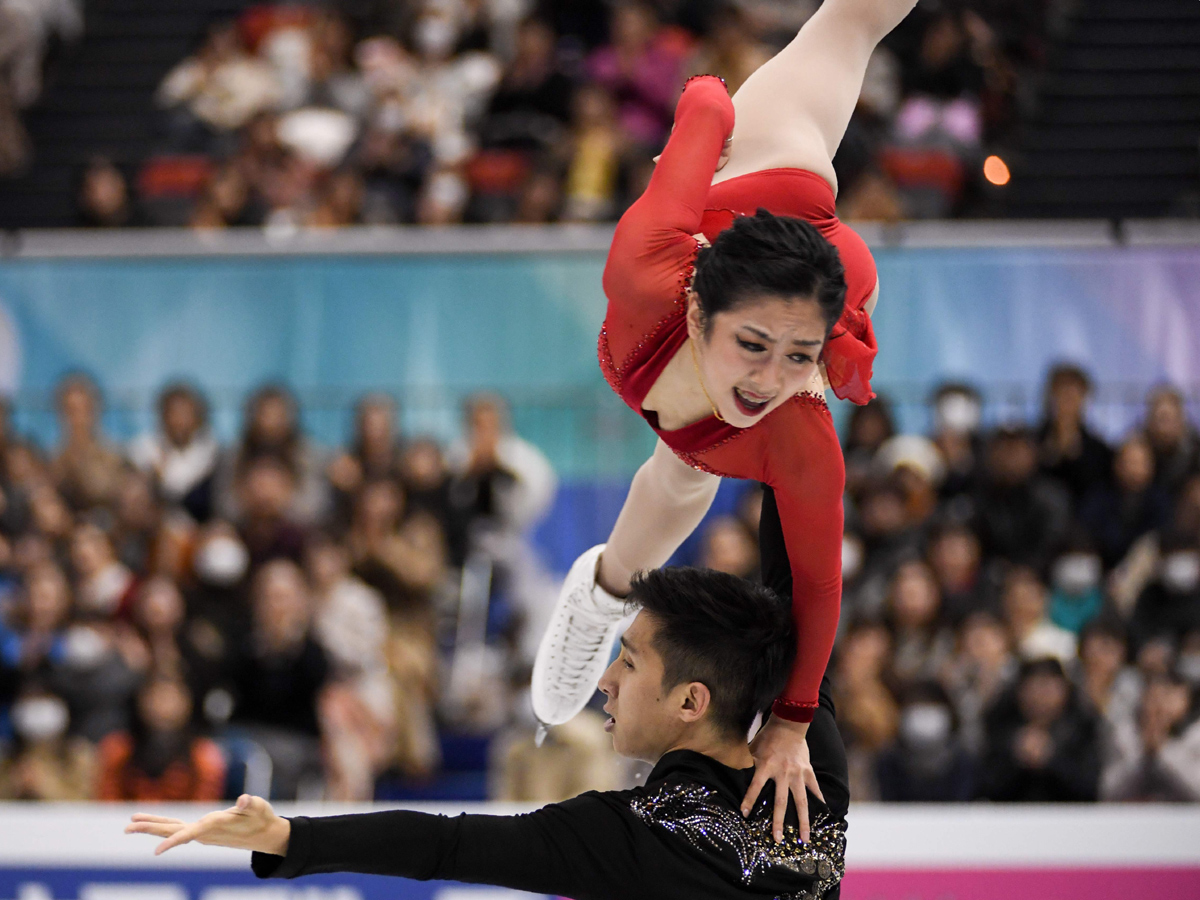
[(1069, 451), (99, 675), (1076, 586), (1043, 745), (1170, 603), (218, 591), (160, 758), (1024, 602), (181, 454), (1119, 513), (957, 415), (45, 763), (103, 584), (1157, 758), (927, 763), (1174, 439)]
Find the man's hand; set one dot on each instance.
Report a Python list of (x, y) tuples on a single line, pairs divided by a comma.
[(250, 824), (781, 755)]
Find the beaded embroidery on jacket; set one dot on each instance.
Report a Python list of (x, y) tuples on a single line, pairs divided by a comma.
[(692, 812)]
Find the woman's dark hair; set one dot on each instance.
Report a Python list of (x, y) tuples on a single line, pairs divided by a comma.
[(769, 254), (731, 635)]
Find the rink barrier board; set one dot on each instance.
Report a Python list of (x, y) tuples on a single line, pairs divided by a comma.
[(896, 852)]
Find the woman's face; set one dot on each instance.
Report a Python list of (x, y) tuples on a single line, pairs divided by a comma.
[(757, 355)]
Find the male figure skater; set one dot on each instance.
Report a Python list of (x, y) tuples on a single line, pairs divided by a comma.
[(706, 653)]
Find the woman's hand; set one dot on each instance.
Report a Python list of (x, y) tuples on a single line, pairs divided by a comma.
[(781, 755), (250, 824)]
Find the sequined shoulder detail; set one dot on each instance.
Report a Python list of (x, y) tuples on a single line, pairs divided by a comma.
[(692, 812), (813, 399)]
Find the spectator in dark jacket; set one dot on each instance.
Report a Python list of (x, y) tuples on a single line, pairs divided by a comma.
[(279, 679), (1119, 513), (1170, 603), (1043, 744), (1021, 516), (1069, 451)]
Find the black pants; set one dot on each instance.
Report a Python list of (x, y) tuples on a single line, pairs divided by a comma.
[(825, 748)]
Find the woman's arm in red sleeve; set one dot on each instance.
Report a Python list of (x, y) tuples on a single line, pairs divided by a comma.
[(672, 206), (809, 476)]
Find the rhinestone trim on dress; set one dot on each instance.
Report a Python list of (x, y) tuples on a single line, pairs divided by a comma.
[(692, 812)]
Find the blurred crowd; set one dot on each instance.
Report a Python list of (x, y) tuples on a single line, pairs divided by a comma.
[(181, 620), (443, 111), (185, 620), (1021, 615)]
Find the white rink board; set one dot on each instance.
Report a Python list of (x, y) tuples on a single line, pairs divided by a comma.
[(880, 836)]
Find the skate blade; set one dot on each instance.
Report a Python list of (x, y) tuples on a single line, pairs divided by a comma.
[(540, 737)]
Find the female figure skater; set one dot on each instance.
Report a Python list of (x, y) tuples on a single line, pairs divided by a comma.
[(726, 301)]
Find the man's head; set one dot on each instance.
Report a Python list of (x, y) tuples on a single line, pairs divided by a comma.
[(707, 652)]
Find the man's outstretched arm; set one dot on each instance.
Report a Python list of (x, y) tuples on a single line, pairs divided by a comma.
[(584, 848)]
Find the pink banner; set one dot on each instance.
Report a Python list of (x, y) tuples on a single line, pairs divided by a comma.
[(1022, 884)]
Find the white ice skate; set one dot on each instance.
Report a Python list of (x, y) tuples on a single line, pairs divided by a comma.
[(575, 649)]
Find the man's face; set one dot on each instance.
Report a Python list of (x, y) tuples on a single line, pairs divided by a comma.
[(646, 720)]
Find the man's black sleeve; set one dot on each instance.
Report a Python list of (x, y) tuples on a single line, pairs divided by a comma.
[(586, 848)]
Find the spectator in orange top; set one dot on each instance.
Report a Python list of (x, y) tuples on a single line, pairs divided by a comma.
[(160, 758)]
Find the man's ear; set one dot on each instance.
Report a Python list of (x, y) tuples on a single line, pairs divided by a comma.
[(695, 316), (695, 702)]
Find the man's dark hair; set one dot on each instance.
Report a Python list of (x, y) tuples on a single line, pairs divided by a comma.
[(731, 635), (768, 254)]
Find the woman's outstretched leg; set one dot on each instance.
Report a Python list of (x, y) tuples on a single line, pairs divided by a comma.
[(793, 111), (666, 502)]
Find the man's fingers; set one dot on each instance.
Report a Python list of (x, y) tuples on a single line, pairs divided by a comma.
[(146, 817), (157, 829), (780, 814), (756, 785), (182, 836)]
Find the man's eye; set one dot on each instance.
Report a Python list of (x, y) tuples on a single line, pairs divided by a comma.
[(752, 347), (628, 664)]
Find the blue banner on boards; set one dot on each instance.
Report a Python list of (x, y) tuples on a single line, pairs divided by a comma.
[(434, 328), (210, 884)]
